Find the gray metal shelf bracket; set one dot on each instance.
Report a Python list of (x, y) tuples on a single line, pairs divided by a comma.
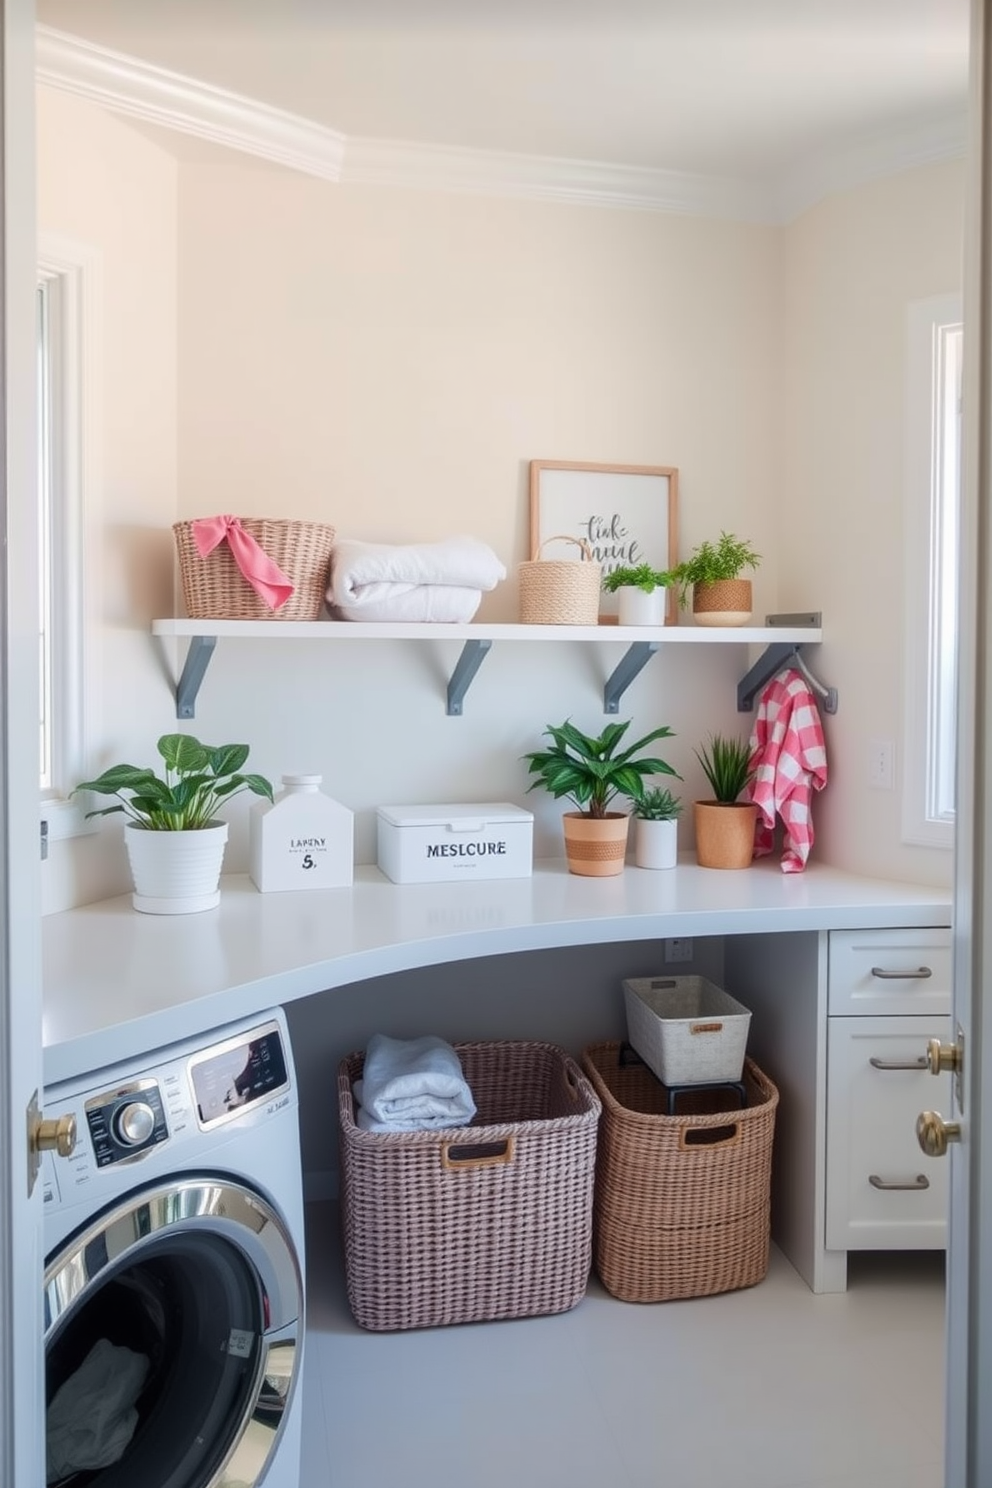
[(201, 648), (473, 655), (771, 661), (635, 660)]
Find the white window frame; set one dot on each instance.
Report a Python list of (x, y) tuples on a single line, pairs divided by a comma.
[(932, 477), (71, 274)]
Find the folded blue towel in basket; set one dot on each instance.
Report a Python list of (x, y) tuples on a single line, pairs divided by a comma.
[(412, 1085)]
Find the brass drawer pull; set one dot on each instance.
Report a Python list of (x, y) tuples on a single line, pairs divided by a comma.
[(917, 1186), (900, 976), (898, 1064)]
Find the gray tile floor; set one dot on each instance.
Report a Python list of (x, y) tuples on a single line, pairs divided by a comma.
[(770, 1386)]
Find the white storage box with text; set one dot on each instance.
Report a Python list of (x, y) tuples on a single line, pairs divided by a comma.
[(426, 844)]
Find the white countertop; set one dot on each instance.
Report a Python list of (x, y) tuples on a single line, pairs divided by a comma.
[(118, 983)]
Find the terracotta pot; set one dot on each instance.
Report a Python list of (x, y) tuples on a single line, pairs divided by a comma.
[(724, 833), (595, 845), (727, 602)]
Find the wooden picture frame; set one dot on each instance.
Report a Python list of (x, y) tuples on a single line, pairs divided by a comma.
[(627, 513)]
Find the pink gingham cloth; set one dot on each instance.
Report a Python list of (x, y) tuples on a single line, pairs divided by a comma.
[(789, 757)]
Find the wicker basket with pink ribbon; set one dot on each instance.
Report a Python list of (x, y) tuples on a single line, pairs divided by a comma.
[(253, 568)]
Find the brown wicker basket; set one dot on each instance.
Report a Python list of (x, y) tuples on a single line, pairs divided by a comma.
[(682, 1202), (472, 1223), (214, 588), (555, 591)]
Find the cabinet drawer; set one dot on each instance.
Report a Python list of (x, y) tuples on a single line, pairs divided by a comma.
[(883, 1192), (889, 972)]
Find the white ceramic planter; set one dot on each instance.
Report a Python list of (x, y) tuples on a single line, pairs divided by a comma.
[(637, 607), (656, 843), (175, 872)]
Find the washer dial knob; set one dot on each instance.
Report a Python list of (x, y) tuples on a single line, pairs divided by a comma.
[(134, 1123)]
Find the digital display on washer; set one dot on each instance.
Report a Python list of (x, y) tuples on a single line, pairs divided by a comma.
[(237, 1075)]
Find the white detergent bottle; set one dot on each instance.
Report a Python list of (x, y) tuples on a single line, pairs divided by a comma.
[(302, 839)]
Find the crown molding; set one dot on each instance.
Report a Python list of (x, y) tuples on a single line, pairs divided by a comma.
[(589, 183), (139, 90), (869, 159)]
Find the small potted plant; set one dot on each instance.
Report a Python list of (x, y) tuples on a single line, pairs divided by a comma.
[(592, 774), (175, 841), (642, 593), (656, 822), (725, 825), (720, 596)]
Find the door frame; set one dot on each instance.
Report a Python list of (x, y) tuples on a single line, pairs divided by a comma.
[(22, 1455)]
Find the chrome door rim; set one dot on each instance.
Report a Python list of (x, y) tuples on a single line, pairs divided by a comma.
[(233, 1212), (223, 1205)]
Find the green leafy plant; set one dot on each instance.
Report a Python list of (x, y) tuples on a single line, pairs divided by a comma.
[(589, 771), (643, 576), (658, 804), (195, 781), (726, 765), (711, 562)]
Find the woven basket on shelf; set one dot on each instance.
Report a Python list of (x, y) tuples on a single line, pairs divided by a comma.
[(214, 588), (556, 591), (682, 1202), (492, 1220)]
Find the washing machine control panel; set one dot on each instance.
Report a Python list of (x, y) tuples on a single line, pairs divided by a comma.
[(154, 1117), (237, 1074), (125, 1122)]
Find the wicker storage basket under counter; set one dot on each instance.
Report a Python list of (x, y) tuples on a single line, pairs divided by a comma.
[(214, 588), (682, 1201), (474, 1223)]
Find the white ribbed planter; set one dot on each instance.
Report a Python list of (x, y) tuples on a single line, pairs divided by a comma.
[(656, 843), (637, 607), (176, 872)]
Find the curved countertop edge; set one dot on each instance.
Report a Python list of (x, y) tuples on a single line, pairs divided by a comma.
[(118, 984)]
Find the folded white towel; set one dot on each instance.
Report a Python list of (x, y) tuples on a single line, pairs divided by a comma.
[(364, 575), (440, 603), (409, 1084)]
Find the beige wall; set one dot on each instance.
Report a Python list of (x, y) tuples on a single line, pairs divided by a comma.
[(852, 266), (390, 361)]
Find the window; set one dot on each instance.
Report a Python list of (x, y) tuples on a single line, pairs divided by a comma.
[(48, 483), (933, 479), (66, 287)]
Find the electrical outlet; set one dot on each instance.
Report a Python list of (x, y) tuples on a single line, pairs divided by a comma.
[(678, 949), (881, 764)]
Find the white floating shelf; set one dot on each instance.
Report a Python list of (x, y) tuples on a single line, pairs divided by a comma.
[(346, 630), (641, 641)]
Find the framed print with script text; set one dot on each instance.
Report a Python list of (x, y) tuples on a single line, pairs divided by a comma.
[(628, 514)]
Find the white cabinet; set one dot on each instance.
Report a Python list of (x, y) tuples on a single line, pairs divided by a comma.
[(889, 992)]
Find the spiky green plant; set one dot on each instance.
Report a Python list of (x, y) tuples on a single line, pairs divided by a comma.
[(726, 765), (643, 576), (197, 779), (658, 805), (589, 771), (710, 562)]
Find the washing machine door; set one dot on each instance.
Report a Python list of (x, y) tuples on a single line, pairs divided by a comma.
[(174, 1333)]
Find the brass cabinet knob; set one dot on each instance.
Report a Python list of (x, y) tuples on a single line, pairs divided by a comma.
[(941, 1057), (57, 1135), (933, 1133)]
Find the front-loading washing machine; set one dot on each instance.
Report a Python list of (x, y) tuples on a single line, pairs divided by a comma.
[(174, 1276)]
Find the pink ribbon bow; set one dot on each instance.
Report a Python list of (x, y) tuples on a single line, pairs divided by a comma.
[(265, 577)]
